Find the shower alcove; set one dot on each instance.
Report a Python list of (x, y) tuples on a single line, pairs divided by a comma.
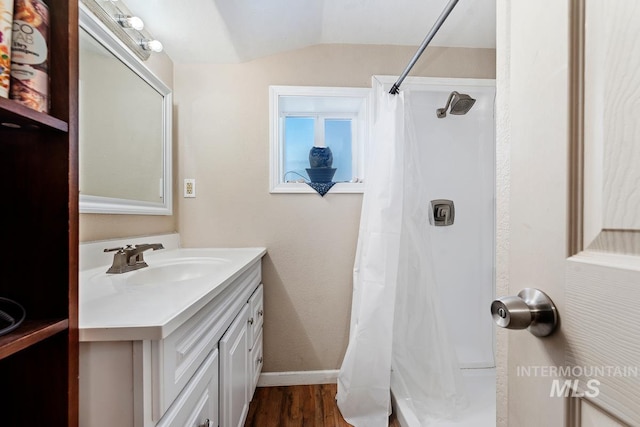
[(457, 153)]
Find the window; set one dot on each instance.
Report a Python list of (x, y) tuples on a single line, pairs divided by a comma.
[(303, 117)]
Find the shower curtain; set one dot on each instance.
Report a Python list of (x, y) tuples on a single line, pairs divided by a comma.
[(395, 315)]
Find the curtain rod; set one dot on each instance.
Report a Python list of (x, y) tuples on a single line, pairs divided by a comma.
[(443, 16)]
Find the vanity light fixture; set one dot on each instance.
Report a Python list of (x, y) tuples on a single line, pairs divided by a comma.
[(128, 21), (124, 25)]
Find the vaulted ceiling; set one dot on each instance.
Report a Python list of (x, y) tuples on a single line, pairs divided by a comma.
[(231, 31)]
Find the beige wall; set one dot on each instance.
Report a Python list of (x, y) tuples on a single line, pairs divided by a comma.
[(222, 124), (99, 226)]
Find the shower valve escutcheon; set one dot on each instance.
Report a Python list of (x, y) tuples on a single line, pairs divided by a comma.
[(532, 309)]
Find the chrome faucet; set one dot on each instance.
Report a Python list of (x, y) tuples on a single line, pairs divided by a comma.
[(130, 257)]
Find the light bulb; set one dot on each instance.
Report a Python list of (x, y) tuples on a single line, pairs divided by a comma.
[(152, 45), (131, 22), (136, 23)]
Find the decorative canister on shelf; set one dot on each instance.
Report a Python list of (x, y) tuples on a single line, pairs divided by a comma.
[(320, 157), (320, 160), (30, 55), (6, 19)]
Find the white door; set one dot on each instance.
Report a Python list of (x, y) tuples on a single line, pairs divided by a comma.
[(568, 199)]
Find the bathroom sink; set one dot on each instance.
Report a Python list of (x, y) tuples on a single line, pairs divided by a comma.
[(178, 270), (150, 303)]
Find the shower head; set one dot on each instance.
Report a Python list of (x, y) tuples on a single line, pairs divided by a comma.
[(460, 103)]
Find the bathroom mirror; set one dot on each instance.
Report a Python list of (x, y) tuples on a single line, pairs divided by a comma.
[(124, 128)]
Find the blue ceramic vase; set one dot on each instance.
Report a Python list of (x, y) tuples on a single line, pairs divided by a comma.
[(320, 157)]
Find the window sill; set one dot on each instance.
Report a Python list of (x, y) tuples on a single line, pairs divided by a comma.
[(301, 188)]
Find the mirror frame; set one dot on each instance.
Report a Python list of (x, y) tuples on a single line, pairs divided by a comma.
[(110, 205)]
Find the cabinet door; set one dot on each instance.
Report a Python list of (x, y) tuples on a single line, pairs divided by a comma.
[(235, 372), (197, 404), (255, 355), (256, 314)]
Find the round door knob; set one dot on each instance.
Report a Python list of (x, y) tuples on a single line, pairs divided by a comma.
[(532, 309)]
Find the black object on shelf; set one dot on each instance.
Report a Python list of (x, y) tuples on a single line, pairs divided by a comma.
[(12, 315)]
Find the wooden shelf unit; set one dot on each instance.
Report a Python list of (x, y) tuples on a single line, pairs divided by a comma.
[(39, 262)]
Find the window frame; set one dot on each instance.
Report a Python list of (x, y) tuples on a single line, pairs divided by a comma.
[(361, 124)]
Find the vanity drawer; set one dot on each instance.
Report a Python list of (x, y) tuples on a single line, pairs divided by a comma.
[(176, 358), (257, 360), (256, 313), (197, 405)]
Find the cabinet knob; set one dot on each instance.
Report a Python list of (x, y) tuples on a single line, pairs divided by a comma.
[(251, 321), (207, 423), (260, 312), (259, 360)]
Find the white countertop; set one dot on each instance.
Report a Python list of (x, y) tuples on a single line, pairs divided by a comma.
[(114, 307)]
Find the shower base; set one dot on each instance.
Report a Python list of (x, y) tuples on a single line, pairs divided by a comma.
[(480, 385)]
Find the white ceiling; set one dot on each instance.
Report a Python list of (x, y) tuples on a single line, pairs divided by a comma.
[(231, 31)]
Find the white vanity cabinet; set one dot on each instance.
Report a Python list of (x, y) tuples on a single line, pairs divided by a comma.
[(202, 373)]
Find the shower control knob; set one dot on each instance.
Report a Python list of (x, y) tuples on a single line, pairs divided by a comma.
[(532, 309)]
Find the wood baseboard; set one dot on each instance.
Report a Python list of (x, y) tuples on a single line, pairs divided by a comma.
[(273, 379)]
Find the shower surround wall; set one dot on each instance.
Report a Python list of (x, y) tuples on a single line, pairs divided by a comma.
[(457, 158), (222, 125)]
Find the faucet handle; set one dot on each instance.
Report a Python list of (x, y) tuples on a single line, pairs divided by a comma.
[(119, 249), (114, 249)]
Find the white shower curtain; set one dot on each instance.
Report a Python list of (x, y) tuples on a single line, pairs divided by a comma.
[(395, 315)]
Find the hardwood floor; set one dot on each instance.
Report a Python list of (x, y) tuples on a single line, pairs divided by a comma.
[(302, 405)]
